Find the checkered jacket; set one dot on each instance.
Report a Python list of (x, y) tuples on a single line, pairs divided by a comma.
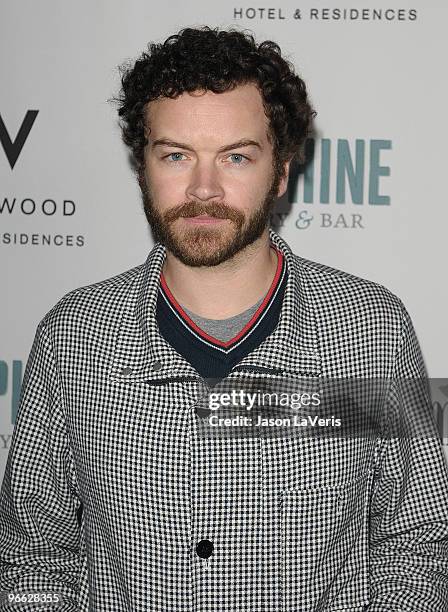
[(110, 485)]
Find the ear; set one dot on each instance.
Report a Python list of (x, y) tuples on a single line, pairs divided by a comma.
[(283, 185)]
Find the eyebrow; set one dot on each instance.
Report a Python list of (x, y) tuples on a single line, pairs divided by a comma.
[(179, 145)]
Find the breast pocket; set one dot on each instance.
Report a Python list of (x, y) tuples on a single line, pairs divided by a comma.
[(325, 547)]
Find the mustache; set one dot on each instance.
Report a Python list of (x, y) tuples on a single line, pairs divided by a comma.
[(193, 208)]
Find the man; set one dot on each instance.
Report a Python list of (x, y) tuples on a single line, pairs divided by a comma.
[(117, 495)]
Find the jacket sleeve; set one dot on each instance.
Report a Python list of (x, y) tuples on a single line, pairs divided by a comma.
[(39, 531), (409, 509)]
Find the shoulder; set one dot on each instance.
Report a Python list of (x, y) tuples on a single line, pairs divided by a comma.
[(92, 305), (335, 286), (361, 323), (353, 309)]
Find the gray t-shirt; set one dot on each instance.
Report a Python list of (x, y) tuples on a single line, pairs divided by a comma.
[(224, 329)]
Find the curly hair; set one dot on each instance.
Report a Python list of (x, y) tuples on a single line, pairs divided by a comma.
[(217, 60)]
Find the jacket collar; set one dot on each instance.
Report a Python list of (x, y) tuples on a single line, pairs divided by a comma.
[(142, 354)]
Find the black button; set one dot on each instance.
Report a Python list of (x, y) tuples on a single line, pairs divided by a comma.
[(126, 371), (203, 413), (204, 549)]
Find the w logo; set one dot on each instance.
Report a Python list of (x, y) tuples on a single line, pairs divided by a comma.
[(13, 148)]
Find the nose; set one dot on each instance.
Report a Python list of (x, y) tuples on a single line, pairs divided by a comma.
[(205, 183)]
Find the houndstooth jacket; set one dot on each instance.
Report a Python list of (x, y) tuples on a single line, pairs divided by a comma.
[(110, 484)]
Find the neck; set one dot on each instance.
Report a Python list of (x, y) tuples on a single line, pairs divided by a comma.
[(222, 291)]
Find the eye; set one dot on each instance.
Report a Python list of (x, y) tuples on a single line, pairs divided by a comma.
[(174, 157), (238, 158)]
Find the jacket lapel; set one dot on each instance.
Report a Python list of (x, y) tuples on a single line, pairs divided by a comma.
[(142, 354), (293, 345)]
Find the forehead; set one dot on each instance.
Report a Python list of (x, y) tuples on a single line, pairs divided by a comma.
[(232, 114)]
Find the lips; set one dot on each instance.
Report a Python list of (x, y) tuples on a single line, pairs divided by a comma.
[(202, 215), (203, 219)]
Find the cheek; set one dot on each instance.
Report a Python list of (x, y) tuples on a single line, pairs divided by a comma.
[(165, 190), (250, 191)]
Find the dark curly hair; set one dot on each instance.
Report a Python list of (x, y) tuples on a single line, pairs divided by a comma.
[(217, 60)]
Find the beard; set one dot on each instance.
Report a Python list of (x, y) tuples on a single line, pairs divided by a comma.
[(206, 245)]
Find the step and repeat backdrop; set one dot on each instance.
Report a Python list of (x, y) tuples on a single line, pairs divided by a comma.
[(371, 202)]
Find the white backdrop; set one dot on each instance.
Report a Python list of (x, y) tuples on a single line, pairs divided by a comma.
[(376, 75)]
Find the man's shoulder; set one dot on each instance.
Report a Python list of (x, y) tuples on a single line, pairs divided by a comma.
[(338, 289), (90, 304)]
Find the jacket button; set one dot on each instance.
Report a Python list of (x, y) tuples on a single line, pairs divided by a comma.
[(204, 549), (156, 365), (126, 371), (203, 413)]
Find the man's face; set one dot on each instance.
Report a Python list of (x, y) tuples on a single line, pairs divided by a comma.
[(209, 180)]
